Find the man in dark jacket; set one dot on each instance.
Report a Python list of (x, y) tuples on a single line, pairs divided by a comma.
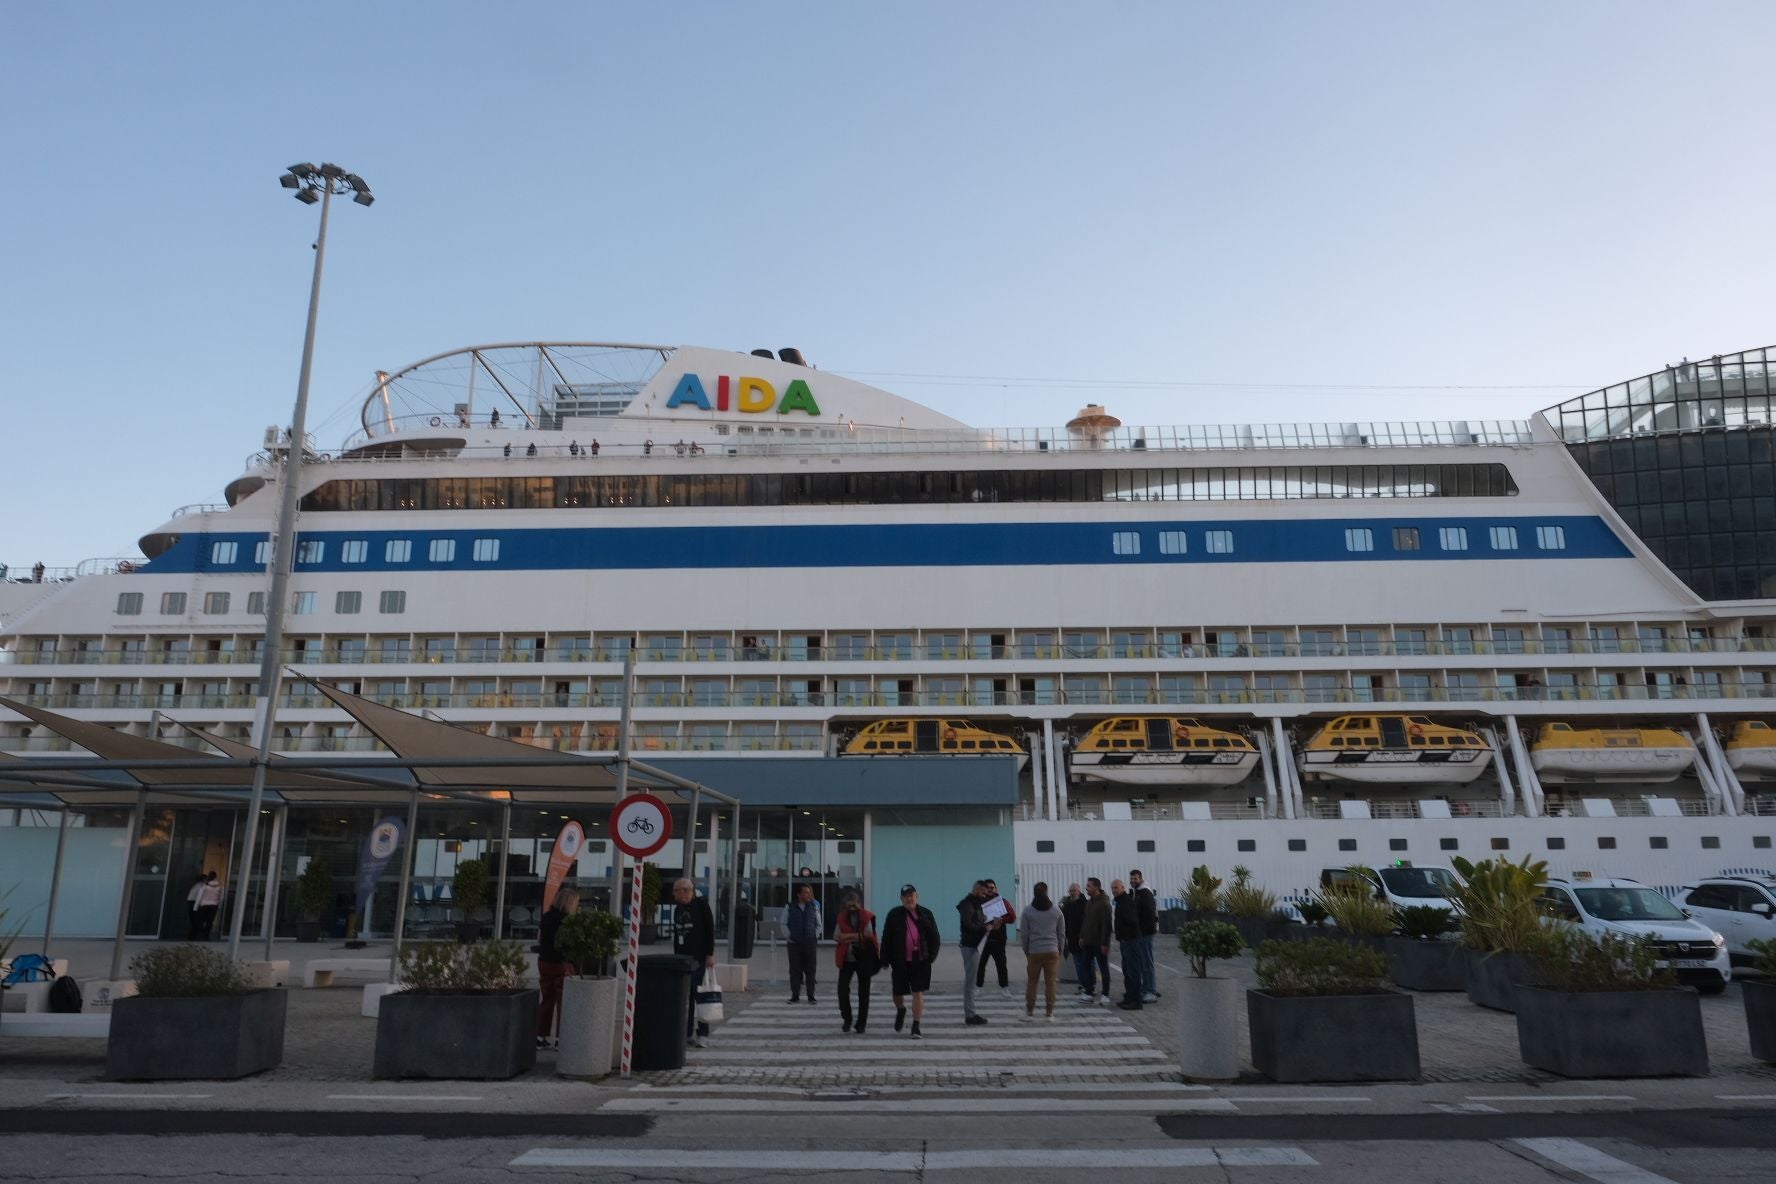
[(693, 935), (1127, 922), (909, 947), (1073, 912), (974, 931), (804, 928), (993, 945), (1094, 940), (1147, 911)]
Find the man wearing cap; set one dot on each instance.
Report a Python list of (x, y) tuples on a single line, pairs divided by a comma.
[(909, 946)]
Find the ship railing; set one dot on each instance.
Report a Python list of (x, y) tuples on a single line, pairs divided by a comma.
[(1563, 804), (1396, 808), (201, 508)]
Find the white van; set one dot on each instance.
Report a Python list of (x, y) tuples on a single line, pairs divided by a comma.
[(1628, 908), (1401, 884)]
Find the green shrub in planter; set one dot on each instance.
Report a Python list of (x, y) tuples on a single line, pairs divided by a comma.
[(312, 897), (1202, 895), (1321, 967), (1355, 910), (1500, 915), (460, 1012), (1323, 1012), (468, 892), (168, 972), (194, 1015), (1423, 922), (1208, 1011), (1604, 1008), (1312, 912), (588, 939), (449, 967), (1419, 959), (1202, 941), (1250, 906)]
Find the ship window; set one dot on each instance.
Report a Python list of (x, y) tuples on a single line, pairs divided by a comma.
[(969, 744), (397, 551), (256, 604), (1405, 538), (1247, 845), (1297, 844), (1452, 538), (222, 553), (1710, 842), (906, 744), (1761, 842), (215, 603), (1359, 538), (1447, 844), (1125, 542), (348, 602), (1218, 542), (1396, 844), (1197, 846), (1337, 742), (441, 550), (1605, 843), (354, 551), (129, 604), (486, 550), (1145, 846), (1658, 842), (392, 602), (302, 603), (172, 604), (1347, 844), (262, 553), (1551, 538), (1501, 844), (1556, 843), (1504, 538), (1045, 846), (310, 550), (1173, 542), (1094, 846)]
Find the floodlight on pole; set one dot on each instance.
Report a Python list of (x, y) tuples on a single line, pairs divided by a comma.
[(311, 185)]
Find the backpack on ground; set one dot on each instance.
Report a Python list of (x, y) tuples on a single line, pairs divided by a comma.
[(29, 968), (65, 997)]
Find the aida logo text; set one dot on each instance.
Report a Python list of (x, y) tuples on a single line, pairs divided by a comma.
[(754, 395)]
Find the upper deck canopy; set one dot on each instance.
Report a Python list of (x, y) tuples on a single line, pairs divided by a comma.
[(1724, 391)]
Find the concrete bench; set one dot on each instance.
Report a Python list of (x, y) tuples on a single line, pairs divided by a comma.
[(320, 972), (86, 1025)]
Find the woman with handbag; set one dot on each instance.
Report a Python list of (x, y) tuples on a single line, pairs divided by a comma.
[(858, 954)]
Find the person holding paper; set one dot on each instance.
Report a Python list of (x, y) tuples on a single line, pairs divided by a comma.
[(999, 915)]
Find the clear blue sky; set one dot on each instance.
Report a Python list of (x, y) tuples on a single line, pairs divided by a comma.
[(1349, 195)]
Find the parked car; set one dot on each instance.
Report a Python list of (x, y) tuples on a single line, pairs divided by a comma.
[(1628, 908), (1741, 909), (1401, 885)]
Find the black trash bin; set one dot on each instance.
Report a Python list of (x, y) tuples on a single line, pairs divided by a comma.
[(662, 1005), (745, 926)]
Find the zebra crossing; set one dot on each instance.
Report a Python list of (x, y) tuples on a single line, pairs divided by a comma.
[(802, 1047)]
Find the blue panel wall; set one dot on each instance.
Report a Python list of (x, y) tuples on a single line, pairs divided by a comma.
[(943, 862)]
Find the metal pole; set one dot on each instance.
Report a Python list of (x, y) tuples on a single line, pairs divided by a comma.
[(407, 859), (734, 886), (55, 880), (274, 850), (711, 885), (499, 897), (618, 859), (283, 559), (690, 847), (129, 882)]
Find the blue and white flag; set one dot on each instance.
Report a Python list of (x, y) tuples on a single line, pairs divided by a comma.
[(379, 848)]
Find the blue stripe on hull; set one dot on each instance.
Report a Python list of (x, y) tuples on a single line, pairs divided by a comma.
[(973, 544)]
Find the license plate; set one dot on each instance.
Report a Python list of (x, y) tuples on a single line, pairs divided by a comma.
[(1690, 964)]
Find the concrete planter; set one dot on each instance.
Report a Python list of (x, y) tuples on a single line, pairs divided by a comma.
[(1421, 965), (1491, 975), (1612, 1033), (1333, 1037), (1208, 1027), (589, 1030), (488, 1036), (1255, 931), (193, 1037), (1760, 1017)]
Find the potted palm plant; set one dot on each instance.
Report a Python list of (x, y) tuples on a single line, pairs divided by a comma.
[(1323, 1012), (1252, 908), (1208, 1019), (1603, 1008), (1202, 896), (194, 1015), (468, 891), (313, 894), (1422, 955), (458, 1011), (1361, 917), (1760, 1001), (1500, 917), (589, 999)]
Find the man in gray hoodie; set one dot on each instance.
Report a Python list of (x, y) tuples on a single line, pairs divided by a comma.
[(1043, 932)]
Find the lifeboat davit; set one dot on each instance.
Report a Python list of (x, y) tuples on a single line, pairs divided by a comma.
[(1562, 752), (1751, 750), (1396, 750), (1162, 750)]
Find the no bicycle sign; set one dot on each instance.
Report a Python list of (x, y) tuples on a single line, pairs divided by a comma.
[(641, 825)]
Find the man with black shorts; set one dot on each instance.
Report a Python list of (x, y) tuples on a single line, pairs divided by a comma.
[(909, 946)]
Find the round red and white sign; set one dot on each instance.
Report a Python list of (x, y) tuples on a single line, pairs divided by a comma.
[(641, 825)]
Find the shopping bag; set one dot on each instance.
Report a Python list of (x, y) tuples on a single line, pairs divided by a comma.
[(709, 1005)]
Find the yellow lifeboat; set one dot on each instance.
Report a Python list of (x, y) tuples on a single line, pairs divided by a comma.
[(943, 737), (1562, 752), (1162, 750), (1751, 749), (1394, 749)]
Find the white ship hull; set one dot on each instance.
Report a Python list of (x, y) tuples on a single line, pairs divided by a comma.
[(1612, 764), (1398, 766), (1164, 768)]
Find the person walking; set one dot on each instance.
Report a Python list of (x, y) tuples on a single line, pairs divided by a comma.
[(857, 953), (204, 898), (1043, 934), (1094, 941), (1127, 923), (974, 931), (552, 968), (805, 928), (693, 936), (993, 945), (1147, 913), (1073, 912), (909, 947)]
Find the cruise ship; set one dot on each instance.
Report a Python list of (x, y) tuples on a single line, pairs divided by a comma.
[(1068, 650)]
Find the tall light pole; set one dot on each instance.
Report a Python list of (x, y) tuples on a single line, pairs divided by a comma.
[(311, 184)]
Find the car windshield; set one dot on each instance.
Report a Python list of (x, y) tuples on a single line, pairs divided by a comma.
[(1419, 881), (1628, 904)]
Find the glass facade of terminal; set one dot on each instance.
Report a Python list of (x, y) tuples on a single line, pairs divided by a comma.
[(1687, 456)]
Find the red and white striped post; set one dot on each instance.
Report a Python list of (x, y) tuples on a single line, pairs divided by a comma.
[(634, 959)]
